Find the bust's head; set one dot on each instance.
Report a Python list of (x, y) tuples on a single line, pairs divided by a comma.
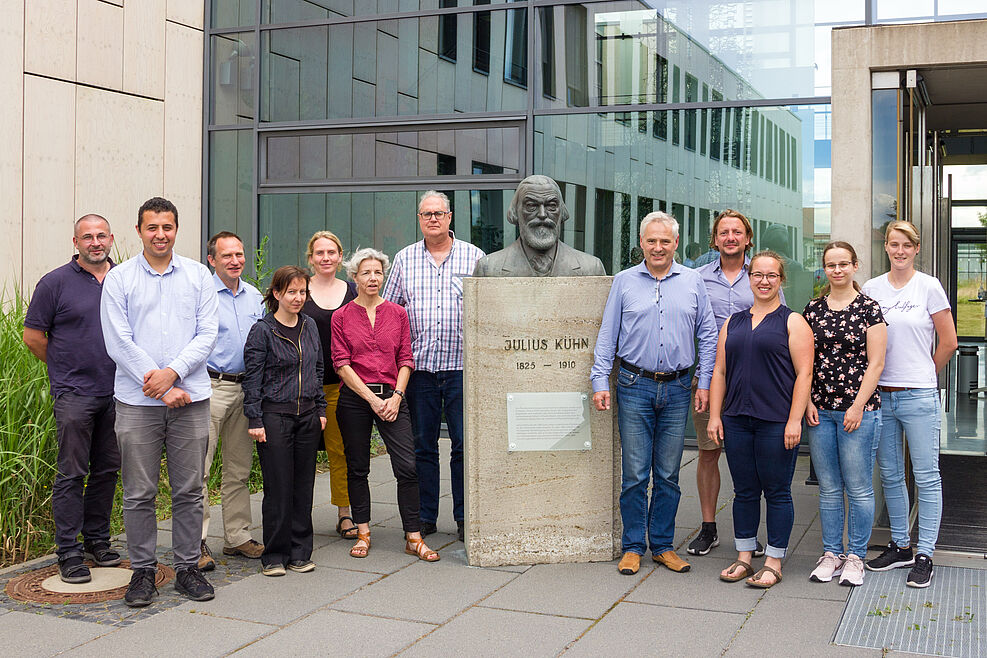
[(539, 212)]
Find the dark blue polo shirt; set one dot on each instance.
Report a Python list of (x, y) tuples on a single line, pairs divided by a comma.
[(65, 306)]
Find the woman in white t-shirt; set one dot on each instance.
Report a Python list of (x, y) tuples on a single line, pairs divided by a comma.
[(917, 310)]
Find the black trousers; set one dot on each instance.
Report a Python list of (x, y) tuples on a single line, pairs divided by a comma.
[(356, 419), (287, 461), (87, 445)]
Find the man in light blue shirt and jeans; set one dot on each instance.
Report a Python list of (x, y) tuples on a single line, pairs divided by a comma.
[(159, 317), (655, 312)]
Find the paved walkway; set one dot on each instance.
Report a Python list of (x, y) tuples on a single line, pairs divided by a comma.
[(392, 604)]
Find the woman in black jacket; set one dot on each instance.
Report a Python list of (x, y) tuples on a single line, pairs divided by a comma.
[(286, 411)]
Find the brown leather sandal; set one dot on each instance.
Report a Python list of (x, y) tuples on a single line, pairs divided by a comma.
[(755, 580), (734, 575), (362, 546), (417, 547)]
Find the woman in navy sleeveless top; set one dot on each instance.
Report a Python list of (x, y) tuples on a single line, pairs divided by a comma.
[(759, 392)]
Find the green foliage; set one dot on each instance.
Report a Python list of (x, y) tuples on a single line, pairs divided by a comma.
[(262, 271), (28, 447)]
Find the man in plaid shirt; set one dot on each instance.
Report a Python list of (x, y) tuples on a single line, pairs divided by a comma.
[(427, 279)]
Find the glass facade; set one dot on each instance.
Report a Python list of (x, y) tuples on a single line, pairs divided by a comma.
[(338, 113)]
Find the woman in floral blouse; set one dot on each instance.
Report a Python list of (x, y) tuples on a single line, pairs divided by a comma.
[(844, 412)]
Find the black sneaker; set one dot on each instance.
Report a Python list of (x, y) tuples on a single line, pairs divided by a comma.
[(705, 541), (301, 566), (72, 570), (428, 529), (892, 558), (102, 554), (758, 549), (461, 531), (190, 582), (141, 589), (921, 574)]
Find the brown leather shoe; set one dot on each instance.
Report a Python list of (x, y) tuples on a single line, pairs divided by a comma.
[(629, 564), (206, 562), (250, 548), (672, 561)]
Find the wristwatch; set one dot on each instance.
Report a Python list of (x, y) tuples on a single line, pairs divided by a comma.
[(397, 392)]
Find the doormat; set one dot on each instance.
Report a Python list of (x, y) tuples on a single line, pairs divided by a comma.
[(948, 618)]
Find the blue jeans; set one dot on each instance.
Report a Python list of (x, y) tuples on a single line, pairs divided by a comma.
[(759, 463), (917, 412), (845, 461), (430, 395), (651, 417)]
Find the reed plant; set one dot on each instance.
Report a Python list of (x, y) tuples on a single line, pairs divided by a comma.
[(28, 448)]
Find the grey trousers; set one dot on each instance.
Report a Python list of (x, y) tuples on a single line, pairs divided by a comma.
[(183, 433)]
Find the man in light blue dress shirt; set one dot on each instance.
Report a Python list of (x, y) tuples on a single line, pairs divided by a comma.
[(159, 317), (240, 306), (655, 312)]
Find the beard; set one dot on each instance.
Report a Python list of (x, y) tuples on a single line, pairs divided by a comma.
[(99, 260), (542, 236)]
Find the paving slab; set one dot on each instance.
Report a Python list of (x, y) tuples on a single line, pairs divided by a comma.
[(485, 632), (386, 553), (635, 629), (335, 632), (28, 634), (571, 590), (796, 569), (380, 470), (700, 588), (279, 600), (426, 592), (175, 633), (779, 624)]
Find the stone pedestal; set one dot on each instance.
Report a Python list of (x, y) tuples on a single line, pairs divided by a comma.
[(531, 335)]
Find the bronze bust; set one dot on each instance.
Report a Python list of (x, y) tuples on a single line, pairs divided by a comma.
[(539, 212)]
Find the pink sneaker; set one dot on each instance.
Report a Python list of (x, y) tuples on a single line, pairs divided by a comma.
[(827, 566), (853, 571)]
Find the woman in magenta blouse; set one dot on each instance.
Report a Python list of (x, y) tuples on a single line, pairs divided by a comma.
[(371, 351)]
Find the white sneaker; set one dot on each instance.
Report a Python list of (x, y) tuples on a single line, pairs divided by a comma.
[(827, 566), (853, 571)]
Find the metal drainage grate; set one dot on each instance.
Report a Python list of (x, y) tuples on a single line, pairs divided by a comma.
[(948, 618), (30, 587)]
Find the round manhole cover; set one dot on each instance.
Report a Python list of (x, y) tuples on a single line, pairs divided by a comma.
[(44, 585)]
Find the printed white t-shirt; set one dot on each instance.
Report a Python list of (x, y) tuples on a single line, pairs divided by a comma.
[(908, 312)]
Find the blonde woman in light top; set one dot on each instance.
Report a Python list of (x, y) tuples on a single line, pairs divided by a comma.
[(917, 312)]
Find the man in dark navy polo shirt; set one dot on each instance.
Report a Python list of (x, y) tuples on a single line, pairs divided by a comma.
[(62, 328)]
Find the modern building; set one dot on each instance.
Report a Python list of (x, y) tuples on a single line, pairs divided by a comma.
[(277, 118)]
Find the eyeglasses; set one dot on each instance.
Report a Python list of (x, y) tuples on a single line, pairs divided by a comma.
[(89, 238), (438, 214), (845, 265), (772, 277)]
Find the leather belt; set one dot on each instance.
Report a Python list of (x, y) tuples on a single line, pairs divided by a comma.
[(894, 389), (226, 377), (656, 376), (380, 389)]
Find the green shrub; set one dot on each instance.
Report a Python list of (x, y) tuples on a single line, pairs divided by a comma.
[(28, 448)]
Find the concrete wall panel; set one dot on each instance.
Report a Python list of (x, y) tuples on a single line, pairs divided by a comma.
[(186, 12), (100, 44), (49, 170), (119, 161), (183, 133), (11, 136), (144, 48), (49, 36)]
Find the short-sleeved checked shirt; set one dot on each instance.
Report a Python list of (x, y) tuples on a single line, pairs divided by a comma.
[(433, 296)]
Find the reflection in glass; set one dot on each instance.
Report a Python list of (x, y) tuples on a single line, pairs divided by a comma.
[(395, 68), (233, 13), (287, 11), (231, 188), (333, 156), (627, 173), (384, 220), (232, 78), (884, 112)]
